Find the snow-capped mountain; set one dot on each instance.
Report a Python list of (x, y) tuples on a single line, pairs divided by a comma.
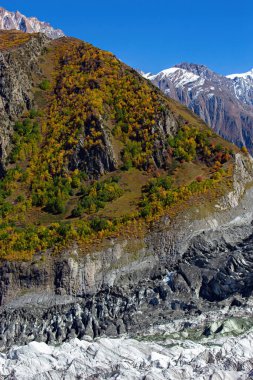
[(15, 20), (225, 103), (243, 86)]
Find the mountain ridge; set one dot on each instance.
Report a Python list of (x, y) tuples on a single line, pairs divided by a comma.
[(224, 103), (16, 20)]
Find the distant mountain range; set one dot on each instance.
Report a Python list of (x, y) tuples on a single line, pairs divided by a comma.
[(15, 20), (224, 102)]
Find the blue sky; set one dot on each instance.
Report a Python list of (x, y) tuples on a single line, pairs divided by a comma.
[(153, 35)]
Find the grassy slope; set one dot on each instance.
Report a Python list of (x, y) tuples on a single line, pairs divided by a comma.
[(81, 83)]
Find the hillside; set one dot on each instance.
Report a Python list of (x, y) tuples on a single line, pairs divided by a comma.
[(97, 148)]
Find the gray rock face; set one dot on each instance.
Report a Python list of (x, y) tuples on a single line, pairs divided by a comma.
[(15, 20), (103, 158), (98, 160), (195, 264), (18, 68), (224, 103)]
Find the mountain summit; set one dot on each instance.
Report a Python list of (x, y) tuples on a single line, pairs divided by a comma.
[(15, 20)]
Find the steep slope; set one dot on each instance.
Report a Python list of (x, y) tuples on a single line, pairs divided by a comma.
[(92, 115), (19, 68), (225, 103), (15, 20), (106, 190)]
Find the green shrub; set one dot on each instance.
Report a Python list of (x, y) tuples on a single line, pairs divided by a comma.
[(77, 212), (55, 205), (45, 85), (83, 229), (128, 164), (132, 155), (98, 224), (5, 209), (20, 198), (95, 197)]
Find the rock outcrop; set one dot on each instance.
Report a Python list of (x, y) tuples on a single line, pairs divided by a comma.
[(19, 69)]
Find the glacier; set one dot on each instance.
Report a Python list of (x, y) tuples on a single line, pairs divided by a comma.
[(223, 358)]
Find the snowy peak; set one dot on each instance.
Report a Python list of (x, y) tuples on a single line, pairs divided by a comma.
[(202, 80), (179, 76), (243, 86), (185, 73), (205, 73), (15, 20), (196, 69), (225, 103), (248, 74)]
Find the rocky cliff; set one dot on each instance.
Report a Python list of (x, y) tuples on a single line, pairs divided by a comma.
[(19, 71)]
